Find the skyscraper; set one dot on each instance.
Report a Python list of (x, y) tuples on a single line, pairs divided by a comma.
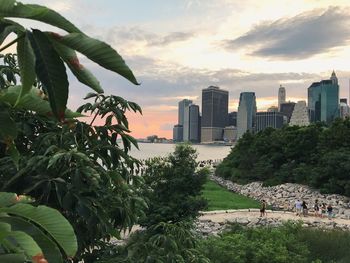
[(178, 132), (246, 113), (194, 123), (182, 104), (323, 100), (281, 96), (214, 113)]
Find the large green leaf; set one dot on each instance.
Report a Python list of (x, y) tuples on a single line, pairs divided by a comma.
[(26, 64), (51, 72), (13, 258), (26, 243), (8, 129), (82, 74), (11, 8), (7, 27), (49, 248), (51, 221), (32, 101), (99, 52)]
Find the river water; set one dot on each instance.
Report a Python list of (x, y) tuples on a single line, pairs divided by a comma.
[(205, 152)]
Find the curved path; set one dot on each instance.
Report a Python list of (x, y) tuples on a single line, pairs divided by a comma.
[(230, 215)]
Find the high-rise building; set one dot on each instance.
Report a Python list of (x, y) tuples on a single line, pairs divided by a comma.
[(281, 96), (300, 116), (191, 123), (287, 109), (186, 124), (246, 113), (214, 113), (232, 119), (344, 109), (194, 123), (178, 133), (271, 119), (182, 105), (323, 100)]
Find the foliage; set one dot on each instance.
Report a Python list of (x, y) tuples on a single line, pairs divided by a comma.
[(288, 243), (41, 59), (315, 155), (219, 198), (162, 242), (79, 168), (37, 234), (173, 187), (330, 246)]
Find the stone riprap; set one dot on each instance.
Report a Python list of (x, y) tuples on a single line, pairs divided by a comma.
[(283, 197), (214, 222)]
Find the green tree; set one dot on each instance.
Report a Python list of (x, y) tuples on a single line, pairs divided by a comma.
[(173, 187)]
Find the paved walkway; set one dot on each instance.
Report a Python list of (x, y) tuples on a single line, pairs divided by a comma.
[(231, 215)]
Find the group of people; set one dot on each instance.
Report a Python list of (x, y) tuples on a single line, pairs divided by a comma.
[(321, 210), (301, 208)]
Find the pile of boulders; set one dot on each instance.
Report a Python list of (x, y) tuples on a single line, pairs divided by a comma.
[(284, 196)]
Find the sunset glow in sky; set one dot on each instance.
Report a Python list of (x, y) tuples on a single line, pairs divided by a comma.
[(178, 47)]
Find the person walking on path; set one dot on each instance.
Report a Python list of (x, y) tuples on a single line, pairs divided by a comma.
[(298, 207), (263, 209), (317, 208), (304, 206), (330, 211)]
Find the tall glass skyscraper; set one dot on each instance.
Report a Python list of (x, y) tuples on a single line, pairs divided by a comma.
[(182, 105), (323, 100), (214, 113), (246, 116)]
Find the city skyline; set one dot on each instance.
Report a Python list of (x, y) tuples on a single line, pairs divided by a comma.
[(177, 48)]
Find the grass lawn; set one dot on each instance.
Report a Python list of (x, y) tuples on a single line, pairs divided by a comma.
[(220, 198)]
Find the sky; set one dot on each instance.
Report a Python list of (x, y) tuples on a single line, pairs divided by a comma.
[(178, 47)]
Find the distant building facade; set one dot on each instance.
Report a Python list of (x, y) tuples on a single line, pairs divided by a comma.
[(246, 114), (271, 119), (230, 133), (178, 133), (214, 113), (344, 109), (323, 100), (232, 119), (300, 116), (281, 96), (272, 109), (287, 109)]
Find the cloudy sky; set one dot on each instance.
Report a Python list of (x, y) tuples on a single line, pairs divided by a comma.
[(178, 47)]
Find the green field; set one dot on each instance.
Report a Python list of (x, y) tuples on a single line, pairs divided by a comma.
[(220, 198)]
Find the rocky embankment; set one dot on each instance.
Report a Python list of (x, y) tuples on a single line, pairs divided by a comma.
[(206, 226), (283, 197)]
